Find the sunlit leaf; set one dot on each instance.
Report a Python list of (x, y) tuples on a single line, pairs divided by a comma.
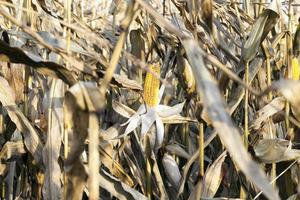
[(275, 150), (213, 177), (222, 122)]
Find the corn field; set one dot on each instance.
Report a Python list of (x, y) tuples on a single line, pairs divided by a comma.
[(150, 99)]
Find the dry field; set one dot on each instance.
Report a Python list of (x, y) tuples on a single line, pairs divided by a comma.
[(149, 99)]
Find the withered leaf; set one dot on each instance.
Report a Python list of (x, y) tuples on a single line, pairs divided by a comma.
[(16, 55), (229, 134), (260, 29), (9, 150), (51, 151), (31, 138), (172, 170), (267, 111), (275, 150), (213, 177)]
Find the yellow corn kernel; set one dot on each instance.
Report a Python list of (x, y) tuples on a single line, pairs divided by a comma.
[(151, 87), (295, 69)]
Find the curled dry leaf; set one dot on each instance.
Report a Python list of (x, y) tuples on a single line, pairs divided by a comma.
[(275, 150), (16, 55), (106, 153), (213, 177), (126, 82), (122, 81), (172, 170), (290, 90), (118, 188), (54, 40), (177, 150), (260, 29), (229, 134), (31, 138), (293, 197), (275, 106)]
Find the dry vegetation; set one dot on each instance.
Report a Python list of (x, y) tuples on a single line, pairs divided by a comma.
[(158, 99)]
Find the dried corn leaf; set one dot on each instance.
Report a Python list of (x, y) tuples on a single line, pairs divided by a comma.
[(213, 177), (55, 41), (293, 197), (107, 152), (122, 109), (290, 90), (158, 177), (222, 122), (51, 151), (238, 95), (136, 171), (119, 189), (9, 150), (275, 150), (177, 150), (31, 138), (275, 106), (172, 170), (206, 13), (14, 74), (260, 29), (16, 55), (123, 81)]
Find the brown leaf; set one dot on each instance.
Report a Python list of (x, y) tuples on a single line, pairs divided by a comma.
[(206, 13), (275, 106), (118, 188), (290, 90), (16, 55), (177, 150), (81, 102), (31, 138), (275, 150), (213, 177), (51, 151), (260, 29), (127, 83), (229, 134), (9, 150), (107, 152)]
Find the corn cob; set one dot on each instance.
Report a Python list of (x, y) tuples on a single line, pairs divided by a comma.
[(151, 87)]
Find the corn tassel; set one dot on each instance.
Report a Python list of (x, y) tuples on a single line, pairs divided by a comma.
[(151, 87)]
